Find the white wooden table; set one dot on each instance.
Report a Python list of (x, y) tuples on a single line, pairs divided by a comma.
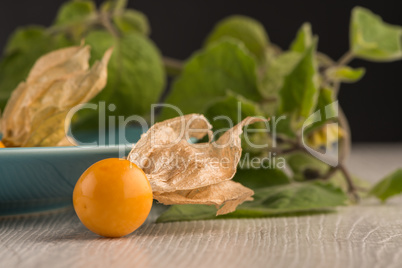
[(368, 235)]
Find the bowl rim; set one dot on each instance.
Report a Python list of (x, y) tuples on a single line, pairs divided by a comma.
[(65, 149)]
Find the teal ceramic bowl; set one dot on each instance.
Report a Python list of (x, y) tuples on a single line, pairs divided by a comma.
[(34, 180)]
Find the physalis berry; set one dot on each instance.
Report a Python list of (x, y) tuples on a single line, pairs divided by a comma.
[(113, 197)]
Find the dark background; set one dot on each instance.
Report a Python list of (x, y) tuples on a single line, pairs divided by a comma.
[(373, 105)]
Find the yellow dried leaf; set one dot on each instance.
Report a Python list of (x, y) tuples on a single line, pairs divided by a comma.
[(57, 82), (181, 172)]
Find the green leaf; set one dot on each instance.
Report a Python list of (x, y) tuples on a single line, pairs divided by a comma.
[(389, 186), (228, 111), (74, 18), (233, 107), (279, 200), (132, 20), (338, 179), (74, 12), (345, 74), (136, 76), (304, 165), (297, 197), (277, 71), (304, 39), (325, 98), (280, 67), (209, 74), (203, 212), (373, 39), (24, 47), (100, 41), (113, 6), (245, 29), (256, 178), (299, 92), (285, 126), (188, 213)]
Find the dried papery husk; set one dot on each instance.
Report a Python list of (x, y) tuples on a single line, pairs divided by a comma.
[(51, 67), (66, 142), (48, 132), (59, 63), (181, 172), (36, 112), (230, 194)]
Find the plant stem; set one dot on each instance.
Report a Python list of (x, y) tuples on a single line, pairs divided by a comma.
[(325, 60), (348, 178), (286, 151), (173, 66), (297, 147), (346, 142), (329, 173), (268, 100), (285, 139), (104, 19), (66, 28), (119, 5), (346, 58)]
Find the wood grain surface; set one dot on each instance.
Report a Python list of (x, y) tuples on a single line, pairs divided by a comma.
[(368, 235)]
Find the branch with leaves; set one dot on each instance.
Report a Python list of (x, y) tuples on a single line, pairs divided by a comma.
[(237, 66)]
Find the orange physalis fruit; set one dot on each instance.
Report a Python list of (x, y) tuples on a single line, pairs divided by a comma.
[(2, 145), (113, 197)]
